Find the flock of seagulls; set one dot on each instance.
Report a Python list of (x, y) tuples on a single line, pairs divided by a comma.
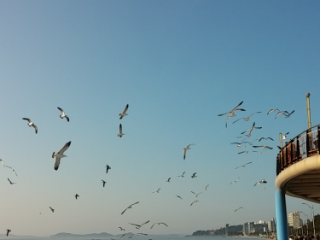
[(232, 113)]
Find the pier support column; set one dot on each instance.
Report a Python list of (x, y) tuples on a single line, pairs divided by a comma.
[(281, 215)]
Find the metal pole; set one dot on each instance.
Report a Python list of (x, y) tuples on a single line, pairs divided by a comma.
[(280, 138), (308, 110), (314, 229), (281, 214)]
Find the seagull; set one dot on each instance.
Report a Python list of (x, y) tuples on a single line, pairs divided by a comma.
[(138, 226), (63, 115), (120, 134), (8, 231), (260, 182), (76, 196), (238, 209), (207, 187), (185, 150), (197, 194), (179, 196), (289, 114), (239, 144), (194, 175), (194, 202), (243, 165), (251, 129), (103, 183), (12, 170), (265, 147), (182, 175), (285, 135), (168, 179), (108, 168), (159, 224), (122, 229), (51, 209), (263, 138), (282, 112), (242, 152), (10, 181), (124, 113), (31, 124), (60, 155), (157, 191), (129, 207), (272, 110), (246, 119), (138, 234), (231, 113)]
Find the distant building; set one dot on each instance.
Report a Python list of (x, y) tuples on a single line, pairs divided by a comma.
[(227, 225), (248, 228), (272, 225), (294, 219)]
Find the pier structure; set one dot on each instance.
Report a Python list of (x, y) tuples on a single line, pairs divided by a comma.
[(298, 172)]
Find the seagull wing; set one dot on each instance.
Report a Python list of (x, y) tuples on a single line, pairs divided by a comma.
[(60, 109), (35, 128), (65, 147), (125, 109), (153, 225), (57, 163), (28, 119)]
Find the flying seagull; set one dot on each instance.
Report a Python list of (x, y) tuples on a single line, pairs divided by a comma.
[(285, 113), (194, 175), (197, 194), (76, 196), (243, 165), (63, 115), (31, 124), (260, 182), (138, 226), (185, 150), (10, 181), (242, 152), (120, 134), (182, 175), (285, 135), (231, 113), (168, 179), (263, 138), (207, 187), (103, 183), (179, 196), (194, 202), (265, 147), (51, 209), (238, 209), (251, 129), (157, 191), (12, 170), (289, 114), (108, 168), (8, 231), (159, 224), (124, 113), (246, 119), (122, 229), (257, 152), (129, 207), (272, 110), (60, 155)]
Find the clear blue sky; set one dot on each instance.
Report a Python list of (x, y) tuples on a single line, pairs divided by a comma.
[(178, 64)]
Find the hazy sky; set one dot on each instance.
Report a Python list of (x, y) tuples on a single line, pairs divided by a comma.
[(178, 64)]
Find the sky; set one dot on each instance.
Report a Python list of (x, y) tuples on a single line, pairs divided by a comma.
[(178, 64)]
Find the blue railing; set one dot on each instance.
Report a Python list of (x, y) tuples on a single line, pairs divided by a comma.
[(302, 146)]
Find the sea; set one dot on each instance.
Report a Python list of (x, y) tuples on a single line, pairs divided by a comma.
[(148, 237)]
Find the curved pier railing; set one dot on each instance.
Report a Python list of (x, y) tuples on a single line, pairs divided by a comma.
[(302, 146)]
